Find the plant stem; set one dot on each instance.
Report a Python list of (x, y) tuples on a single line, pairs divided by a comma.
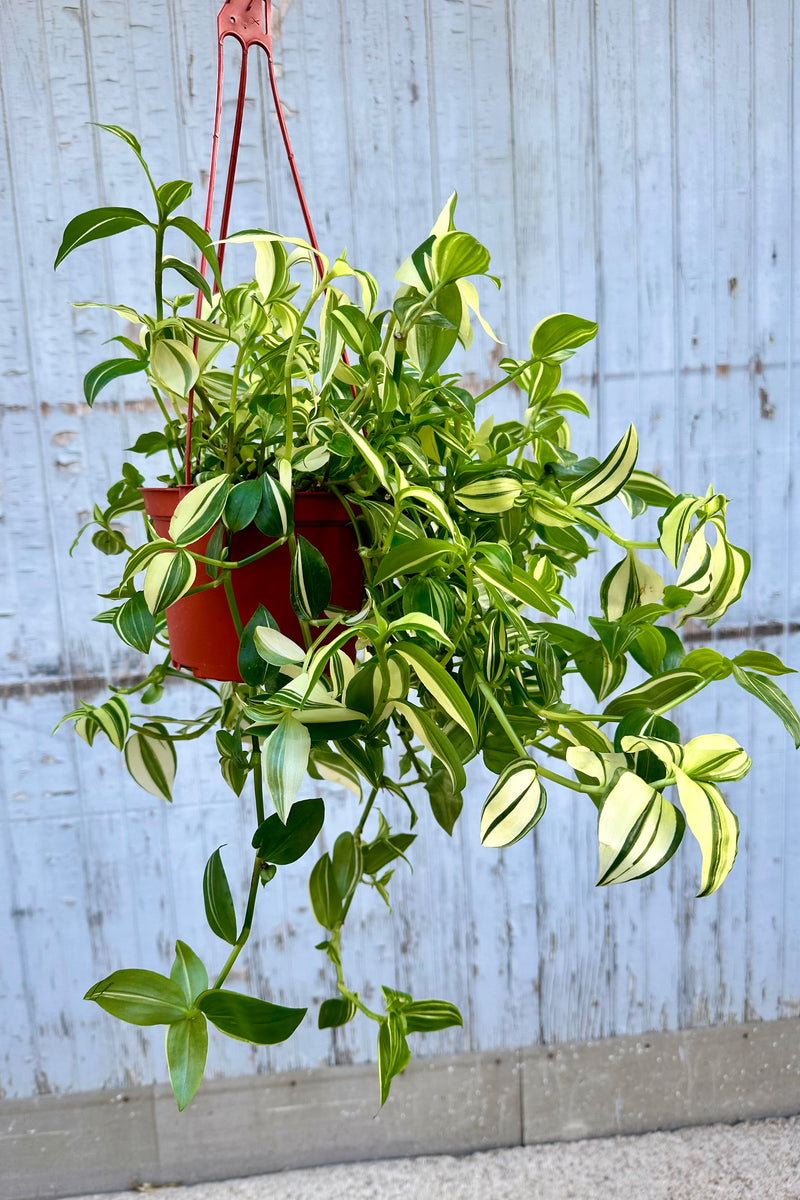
[(227, 583), (359, 829), (502, 382), (243, 562), (511, 733), (569, 783), (159, 272), (246, 927), (258, 782)]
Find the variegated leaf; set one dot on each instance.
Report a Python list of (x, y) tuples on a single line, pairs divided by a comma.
[(275, 648), (168, 577), (284, 760), (628, 585), (199, 510), (492, 495), (514, 805), (309, 582), (613, 473), (173, 367), (441, 685), (714, 826), (638, 830), (151, 760)]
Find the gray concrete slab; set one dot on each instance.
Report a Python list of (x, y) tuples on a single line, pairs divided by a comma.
[(754, 1161)]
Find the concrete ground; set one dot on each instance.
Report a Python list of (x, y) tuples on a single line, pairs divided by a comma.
[(715, 1162)]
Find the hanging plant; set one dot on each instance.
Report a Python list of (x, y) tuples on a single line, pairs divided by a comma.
[(381, 566)]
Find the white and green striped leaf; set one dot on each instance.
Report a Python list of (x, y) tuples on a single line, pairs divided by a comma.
[(774, 697), (637, 829), (284, 760), (97, 223), (309, 581), (420, 622), (134, 623), (596, 767), (275, 648), (274, 513), (714, 826), (114, 719), (628, 585), (410, 558), (425, 1016), (514, 805), (716, 757), (336, 769), (610, 477), (173, 367), (674, 525), (331, 342), (441, 685), (199, 510), (151, 760), (373, 460), (493, 495), (168, 577), (144, 555), (715, 574)]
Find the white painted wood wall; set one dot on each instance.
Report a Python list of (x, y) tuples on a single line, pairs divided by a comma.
[(633, 161)]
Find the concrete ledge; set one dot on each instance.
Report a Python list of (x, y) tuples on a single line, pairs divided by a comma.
[(103, 1141)]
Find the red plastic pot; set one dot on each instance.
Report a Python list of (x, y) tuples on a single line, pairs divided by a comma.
[(202, 636)]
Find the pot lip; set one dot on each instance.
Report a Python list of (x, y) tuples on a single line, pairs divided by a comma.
[(160, 490)]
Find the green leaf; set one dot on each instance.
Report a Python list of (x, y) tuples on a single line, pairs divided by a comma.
[(220, 912), (558, 336), (436, 741), (346, 863), (761, 660), (446, 803), (199, 510), (660, 693), (605, 481), (201, 239), (173, 366), (97, 223), (105, 372), (242, 504), (457, 254), (425, 1016), (522, 587), (135, 624), (432, 598), (283, 844), (331, 342), (514, 805), (773, 696), (274, 514), (441, 685), (252, 667), (188, 972), (172, 195), (393, 1053), (409, 558), (326, 899), (309, 582), (151, 760), (336, 1012), (707, 662), (248, 1019), (168, 577), (638, 831), (385, 850), (196, 280), (187, 1048), (284, 761), (140, 997)]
